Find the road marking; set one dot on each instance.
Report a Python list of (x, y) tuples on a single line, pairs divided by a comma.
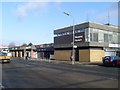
[(27, 65)]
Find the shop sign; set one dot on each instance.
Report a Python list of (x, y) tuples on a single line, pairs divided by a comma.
[(79, 37), (113, 45)]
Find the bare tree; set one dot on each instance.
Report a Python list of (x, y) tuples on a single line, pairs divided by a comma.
[(11, 44), (24, 44)]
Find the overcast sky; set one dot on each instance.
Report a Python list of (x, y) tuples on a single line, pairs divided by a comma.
[(24, 22)]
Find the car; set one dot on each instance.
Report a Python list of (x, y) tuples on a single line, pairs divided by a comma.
[(4, 58), (111, 60), (118, 63)]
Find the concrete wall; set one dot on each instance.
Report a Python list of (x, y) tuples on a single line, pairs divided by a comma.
[(62, 54)]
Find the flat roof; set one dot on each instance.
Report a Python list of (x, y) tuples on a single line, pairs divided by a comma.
[(106, 27)]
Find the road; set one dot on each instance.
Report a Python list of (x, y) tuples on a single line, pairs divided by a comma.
[(36, 74)]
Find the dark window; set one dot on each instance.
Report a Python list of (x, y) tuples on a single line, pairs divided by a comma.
[(91, 37)]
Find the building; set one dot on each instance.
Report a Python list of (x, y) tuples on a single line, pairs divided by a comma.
[(45, 51), (93, 41), (23, 51)]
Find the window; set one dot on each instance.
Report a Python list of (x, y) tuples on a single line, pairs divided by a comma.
[(91, 37), (105, 37), (101, 36), (110, 38), (87, 35), (118, 38), (115, 37), (95, 37)]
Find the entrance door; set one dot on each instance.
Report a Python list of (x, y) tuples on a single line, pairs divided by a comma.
[(76, 55)]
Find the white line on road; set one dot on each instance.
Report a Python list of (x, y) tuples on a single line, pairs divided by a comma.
[(27, 65)]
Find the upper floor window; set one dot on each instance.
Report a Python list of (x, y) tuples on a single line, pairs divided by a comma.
[(106, 38)]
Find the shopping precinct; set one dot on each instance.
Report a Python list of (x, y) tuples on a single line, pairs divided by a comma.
[(92, 42)]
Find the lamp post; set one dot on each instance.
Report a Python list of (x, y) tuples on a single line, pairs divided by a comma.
[(73, 54)]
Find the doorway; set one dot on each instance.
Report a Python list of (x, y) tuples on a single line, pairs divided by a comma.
[(76, 55)]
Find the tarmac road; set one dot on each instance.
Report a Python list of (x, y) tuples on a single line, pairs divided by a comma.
[(40, 74)]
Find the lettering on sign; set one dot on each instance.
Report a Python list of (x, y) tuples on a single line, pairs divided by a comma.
[(78, 40), (79, 37)]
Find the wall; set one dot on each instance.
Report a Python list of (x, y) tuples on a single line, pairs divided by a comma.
[(85, 55), (62, 54), (91, 55)]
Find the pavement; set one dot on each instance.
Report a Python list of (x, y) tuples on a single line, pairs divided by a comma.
[(69, 62), (66, 62)]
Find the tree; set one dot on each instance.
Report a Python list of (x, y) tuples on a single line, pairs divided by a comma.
[(24, 44), (11, 44), (30, 44)]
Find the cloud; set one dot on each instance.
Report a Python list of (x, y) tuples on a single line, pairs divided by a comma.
[(24, 9), (33, 6)]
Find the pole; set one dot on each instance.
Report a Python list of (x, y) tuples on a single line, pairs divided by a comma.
[(24, 53), (31, 53), (73, 53)]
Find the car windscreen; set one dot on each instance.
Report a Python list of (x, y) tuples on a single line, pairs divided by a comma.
[(3, 54), (107, 57), (111, 57)]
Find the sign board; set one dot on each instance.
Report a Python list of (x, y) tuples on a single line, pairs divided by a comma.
[(114, 45), (75, 46), (80, 37)]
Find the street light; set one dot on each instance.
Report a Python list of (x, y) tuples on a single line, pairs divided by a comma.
[(73, 54)]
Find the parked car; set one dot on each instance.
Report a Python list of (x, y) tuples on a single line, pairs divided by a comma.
[(118, 63), (4, 58), (111, 60)]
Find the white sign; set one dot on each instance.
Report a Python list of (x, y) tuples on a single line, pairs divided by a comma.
[(75, 46), (78, 40), (78, 37), (114, 45)]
